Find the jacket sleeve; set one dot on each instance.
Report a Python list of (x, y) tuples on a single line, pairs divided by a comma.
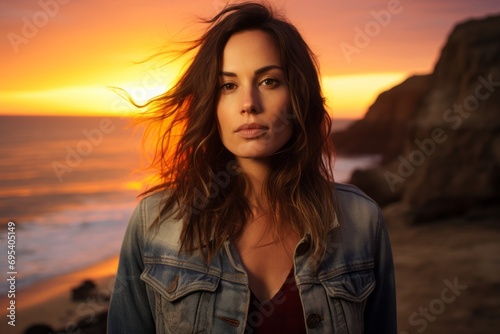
[(130, 309), (380, 313)]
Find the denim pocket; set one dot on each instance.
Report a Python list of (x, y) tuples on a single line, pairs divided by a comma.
[(348, 294), (185, 297), (352, 286), (176, 282)]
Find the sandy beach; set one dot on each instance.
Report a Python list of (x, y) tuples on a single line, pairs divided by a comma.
[(447, 272), (49, 302), (448, 280)]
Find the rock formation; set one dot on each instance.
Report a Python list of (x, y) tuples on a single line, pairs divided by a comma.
[(385, 125), (450, 157), (88, 289)]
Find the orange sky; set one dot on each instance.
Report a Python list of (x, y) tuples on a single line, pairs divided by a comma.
[(59, 56)]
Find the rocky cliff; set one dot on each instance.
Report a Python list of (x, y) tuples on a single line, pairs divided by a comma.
[(449, 158), (385, 125)]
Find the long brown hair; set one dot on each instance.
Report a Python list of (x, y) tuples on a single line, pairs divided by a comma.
[(200, 177)]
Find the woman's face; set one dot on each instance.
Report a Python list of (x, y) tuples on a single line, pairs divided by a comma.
[(253, 110)]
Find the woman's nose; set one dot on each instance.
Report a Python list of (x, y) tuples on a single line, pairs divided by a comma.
[(250, 102)]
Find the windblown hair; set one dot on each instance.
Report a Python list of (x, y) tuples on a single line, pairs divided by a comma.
[(200, 177)]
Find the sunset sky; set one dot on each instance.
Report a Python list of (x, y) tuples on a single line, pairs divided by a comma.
[(61, 56)]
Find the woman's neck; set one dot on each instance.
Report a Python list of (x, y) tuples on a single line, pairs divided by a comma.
[(255, 172)]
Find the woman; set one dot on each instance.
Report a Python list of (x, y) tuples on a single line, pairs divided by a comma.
[(247, 232)]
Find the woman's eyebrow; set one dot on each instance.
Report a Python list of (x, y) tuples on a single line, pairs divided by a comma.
[(258, 71), (267, 68)]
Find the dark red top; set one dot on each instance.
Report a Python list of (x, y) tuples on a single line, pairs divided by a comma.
[(282, 314)]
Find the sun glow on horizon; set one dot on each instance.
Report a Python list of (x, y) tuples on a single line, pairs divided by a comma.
[(350, 96), (347, 96), (77, 100), (106, 97)]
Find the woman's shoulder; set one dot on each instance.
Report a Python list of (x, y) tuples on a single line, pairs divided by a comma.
[(151, 208), (356, 209), (153, 201), (156, 222), (350, 196)]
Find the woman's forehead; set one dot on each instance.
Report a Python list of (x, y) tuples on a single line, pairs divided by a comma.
[(251, 48)]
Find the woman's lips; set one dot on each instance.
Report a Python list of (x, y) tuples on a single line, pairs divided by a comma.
[(251, 130)]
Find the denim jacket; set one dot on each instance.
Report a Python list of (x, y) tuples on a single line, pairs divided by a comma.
[(159, 290)]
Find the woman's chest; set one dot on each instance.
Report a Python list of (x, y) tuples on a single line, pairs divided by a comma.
[(267, 258)]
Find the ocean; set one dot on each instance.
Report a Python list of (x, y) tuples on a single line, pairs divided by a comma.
[(70, 184)]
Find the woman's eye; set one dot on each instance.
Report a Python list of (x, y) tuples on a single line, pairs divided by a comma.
[(269, 82), (227, 86)]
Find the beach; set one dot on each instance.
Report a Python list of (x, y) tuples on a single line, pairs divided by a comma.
[(68, 189), (49, 302), (447, 272)]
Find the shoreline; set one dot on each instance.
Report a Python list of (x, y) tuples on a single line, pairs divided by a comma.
[(49, 301)]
